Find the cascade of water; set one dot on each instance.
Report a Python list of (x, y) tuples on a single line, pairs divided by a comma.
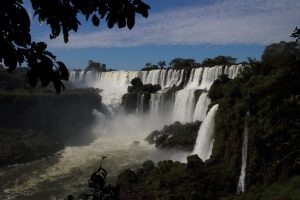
[(201, 107), (72, 76), (184, 106), (204, 142), (164, 77), (233, 70), (76, 76), (114, 84), (209, 76), (241, 184), (156, 104), (140, 103), (195, 78)]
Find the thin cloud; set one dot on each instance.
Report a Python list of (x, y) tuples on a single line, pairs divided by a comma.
[(221, 23)]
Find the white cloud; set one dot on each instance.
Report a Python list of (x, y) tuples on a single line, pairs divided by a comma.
[(223, 22)]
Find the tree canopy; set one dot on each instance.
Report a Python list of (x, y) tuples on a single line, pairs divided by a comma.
[(62, 16), (219, 60), (182, 63)]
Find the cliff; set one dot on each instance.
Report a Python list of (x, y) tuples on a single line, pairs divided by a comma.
[(269, 92)]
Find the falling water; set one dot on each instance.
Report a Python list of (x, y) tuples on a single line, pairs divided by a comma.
[(140, 103), (156, 105), (201, 107), (204, 142), (67, 171), (184, 106), (241, 184)]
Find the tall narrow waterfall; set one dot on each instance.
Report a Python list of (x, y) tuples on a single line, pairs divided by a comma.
[(140, 106), (241, 184), (205, 138), (201, 107)]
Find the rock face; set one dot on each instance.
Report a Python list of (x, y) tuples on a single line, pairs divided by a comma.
[(63, 116), (138, 96), (269, 92), (36, 124), (175, 136)]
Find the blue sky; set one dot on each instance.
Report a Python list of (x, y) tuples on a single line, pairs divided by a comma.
[(180, 28)]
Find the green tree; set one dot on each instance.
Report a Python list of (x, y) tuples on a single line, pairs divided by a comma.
[(219, 60), (149, 66), (161, 64), (17, 46), (296, 34), (280, 55), (99, 189), (96, 66), (182, 63)]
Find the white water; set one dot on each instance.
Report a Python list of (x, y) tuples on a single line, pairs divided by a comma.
[(205, 138), (115, 83), (201, 107), (184, 106), (120, 138), (241, 184)]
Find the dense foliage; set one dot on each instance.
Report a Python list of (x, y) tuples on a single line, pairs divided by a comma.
[(175, 136), (269, 92), (17, 46), (219, 60), (149, 66), (189, 63), (97, 67), (182, 63)]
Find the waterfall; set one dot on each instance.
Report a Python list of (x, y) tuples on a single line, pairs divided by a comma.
[(156, 104), (113, 86), (140, 102), (209, 76), (184, 106), (241, 184), (201, 107), (204, 142), (195, 78)]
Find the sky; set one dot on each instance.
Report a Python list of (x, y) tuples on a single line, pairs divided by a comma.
[(179, 28)]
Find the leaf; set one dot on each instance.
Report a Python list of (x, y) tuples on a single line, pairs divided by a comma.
[(110, 23), (66, 39), (57, 85), (121, 22), (130, 21), (143, 9), (64, 73), (45, 81), (95, 20)]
